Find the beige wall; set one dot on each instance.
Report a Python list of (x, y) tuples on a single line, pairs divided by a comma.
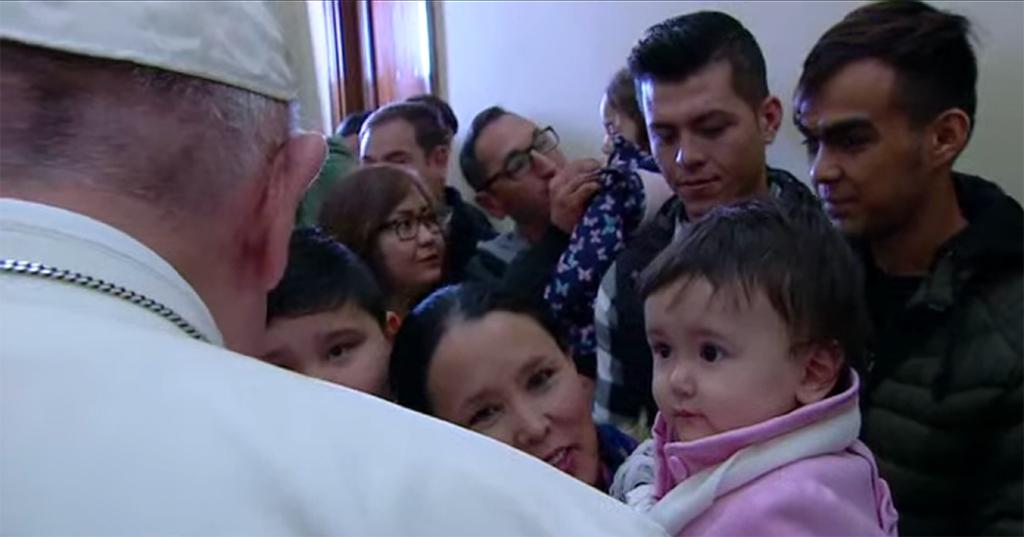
[(551, 60)]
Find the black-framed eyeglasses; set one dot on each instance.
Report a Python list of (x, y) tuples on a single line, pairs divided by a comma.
[(518, 162), (406, 228)]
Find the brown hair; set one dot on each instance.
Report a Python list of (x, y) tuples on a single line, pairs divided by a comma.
[(792, 254), (929, 49), (429, 126), (360, 204), (621, 94)]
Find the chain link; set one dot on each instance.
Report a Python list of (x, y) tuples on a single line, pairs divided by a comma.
[(39, 270)]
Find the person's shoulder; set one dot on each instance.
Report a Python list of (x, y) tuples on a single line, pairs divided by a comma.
[(201, 410), (504, 247), (994, 238)]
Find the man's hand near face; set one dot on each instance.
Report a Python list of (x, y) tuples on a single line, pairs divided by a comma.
[(571, 190)]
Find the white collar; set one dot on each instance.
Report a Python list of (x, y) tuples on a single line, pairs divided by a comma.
[(67, 240)]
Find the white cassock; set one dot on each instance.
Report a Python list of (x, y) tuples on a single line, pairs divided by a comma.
[(113, 420)]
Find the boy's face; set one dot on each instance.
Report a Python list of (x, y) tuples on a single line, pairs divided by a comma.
[(722, 361), (345, 346)]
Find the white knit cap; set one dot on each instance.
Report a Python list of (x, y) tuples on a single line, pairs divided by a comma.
[(239, 43)]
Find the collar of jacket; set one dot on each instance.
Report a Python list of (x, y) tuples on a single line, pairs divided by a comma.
[(677, 461), (782, 186), (731, 460), (66, 240), (993, 241)]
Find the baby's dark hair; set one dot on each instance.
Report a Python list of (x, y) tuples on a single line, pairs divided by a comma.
[(323, 275), (793, 254), (429, 321)]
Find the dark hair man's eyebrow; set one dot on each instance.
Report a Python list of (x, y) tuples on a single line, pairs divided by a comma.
[(832, 128)]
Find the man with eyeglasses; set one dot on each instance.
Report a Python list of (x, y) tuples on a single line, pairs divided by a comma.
[(518, 171)]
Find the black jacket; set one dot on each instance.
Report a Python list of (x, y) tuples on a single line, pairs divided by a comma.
[(942, 402), (468, 227)]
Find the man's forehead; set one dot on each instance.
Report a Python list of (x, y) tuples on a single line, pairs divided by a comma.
[(506, 134), (389, 136), (861, 90), (707, 90), (820, 122)]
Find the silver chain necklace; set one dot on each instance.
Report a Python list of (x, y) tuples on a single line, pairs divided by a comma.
[(38, 270)]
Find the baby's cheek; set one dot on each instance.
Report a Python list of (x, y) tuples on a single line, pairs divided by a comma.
[(659, 388)]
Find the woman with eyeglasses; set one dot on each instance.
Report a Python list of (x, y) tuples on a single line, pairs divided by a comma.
[(384, 214)]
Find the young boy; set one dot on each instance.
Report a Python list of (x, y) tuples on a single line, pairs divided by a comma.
[(326, 317), (755, 317)]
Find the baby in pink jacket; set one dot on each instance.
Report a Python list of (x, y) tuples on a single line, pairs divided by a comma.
[(755, 316)]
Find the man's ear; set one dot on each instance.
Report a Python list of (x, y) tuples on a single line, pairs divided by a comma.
[(947, 136), (822, 367), (292, 170), (439, 157), (769, 118), (491, 204), (392, 322)]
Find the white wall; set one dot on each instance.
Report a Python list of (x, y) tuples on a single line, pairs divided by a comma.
[(303, 26), (551, 60)]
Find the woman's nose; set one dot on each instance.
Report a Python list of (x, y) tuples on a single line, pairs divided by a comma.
[(532, 426)]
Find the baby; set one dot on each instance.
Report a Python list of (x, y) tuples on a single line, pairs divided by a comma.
[(755, 319)]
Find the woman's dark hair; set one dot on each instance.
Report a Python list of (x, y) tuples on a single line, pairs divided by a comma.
[(356, 209), (323, 275), (621, 95), (428, 322), (792, 254)]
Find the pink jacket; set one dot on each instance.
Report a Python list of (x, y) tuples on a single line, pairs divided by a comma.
[(803, 473)]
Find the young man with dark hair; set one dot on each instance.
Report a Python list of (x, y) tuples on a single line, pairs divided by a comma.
[(703, 90), (886, 102), (327, 319), (419, 136)]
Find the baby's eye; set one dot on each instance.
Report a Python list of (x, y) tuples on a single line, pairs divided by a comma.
[(661, 350), (709, 352)]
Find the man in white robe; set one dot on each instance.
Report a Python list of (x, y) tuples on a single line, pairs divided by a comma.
[(148, 182)]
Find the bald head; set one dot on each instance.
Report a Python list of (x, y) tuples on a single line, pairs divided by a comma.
[(164, 138)]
